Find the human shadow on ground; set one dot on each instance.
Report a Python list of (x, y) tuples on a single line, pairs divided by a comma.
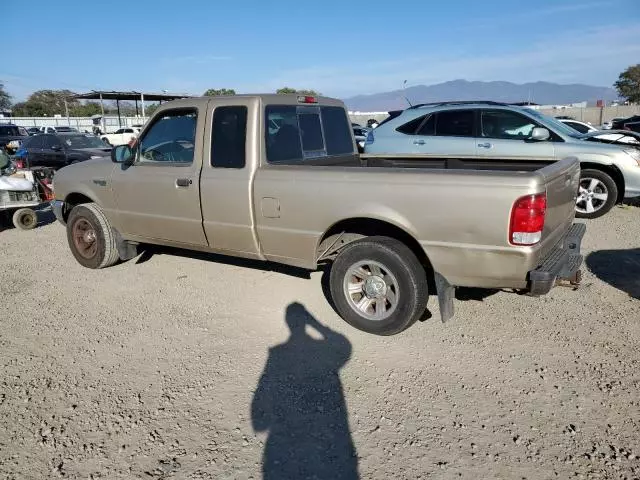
[(300, 403), (618, 268)]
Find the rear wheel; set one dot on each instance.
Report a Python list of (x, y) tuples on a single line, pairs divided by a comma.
[(378, 285), (597, 194), (90, 237), (25, 219)]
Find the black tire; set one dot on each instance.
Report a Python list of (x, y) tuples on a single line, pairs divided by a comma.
[(601, 207), (25, 219), (397, 260), (91, 238)]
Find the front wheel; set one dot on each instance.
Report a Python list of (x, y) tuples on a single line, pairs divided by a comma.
[(378, 285), (597, 194), (91, 238)]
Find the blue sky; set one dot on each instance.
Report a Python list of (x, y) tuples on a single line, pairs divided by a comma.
[(339, 47)]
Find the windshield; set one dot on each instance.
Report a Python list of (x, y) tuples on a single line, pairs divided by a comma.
[(556, 125), (83, 141)]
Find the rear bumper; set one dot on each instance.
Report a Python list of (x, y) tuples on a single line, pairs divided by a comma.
[(562, 262)]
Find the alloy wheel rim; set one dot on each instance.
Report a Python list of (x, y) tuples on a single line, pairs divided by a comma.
[(592, 195), (371, 290)]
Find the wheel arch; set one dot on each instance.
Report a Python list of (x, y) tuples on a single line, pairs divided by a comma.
[(348, 230), (73, 199)]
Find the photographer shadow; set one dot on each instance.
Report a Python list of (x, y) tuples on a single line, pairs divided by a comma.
[(300, 402)]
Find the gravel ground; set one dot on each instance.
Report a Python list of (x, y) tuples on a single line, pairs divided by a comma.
[(179, 366)]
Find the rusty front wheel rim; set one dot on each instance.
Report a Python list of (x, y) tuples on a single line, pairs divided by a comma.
[(84, 238)]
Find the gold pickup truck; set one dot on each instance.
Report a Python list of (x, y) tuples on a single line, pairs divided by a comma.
[(278, 178)]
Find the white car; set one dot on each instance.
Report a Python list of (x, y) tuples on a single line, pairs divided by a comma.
[(581, 127), (122, 136)]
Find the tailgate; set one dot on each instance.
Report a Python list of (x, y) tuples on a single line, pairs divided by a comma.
[(562, 180)]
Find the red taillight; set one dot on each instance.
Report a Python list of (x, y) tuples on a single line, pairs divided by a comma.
[(307, 99), (527, 219)]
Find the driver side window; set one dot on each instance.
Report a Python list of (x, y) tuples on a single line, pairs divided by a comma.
[(171, 138)]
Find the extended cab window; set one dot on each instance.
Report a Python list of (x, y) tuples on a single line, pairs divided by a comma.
[(171, 138), (507, 125), (294, 133), (229, 137)]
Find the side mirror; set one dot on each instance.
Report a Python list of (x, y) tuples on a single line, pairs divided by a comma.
[(540, 134), (123, 154)]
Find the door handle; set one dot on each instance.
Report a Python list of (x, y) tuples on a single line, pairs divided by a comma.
[(485, 145), (418, 142), (183, 182)]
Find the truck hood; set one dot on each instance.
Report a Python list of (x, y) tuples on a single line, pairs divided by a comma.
[(585, 144), (623, 138), (103, 152)]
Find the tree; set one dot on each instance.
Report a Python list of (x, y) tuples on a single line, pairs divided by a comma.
[(628, 84), (86, 110), (150, 109), (5, 98), (289, 90), (46, 103), (213, 92)]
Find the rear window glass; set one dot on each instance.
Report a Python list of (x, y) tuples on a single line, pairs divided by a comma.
[(311, 132), (335, 125), (282, 135), (294, 133), (228, 137)]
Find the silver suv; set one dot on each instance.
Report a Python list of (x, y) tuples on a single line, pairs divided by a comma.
[(491, 130)]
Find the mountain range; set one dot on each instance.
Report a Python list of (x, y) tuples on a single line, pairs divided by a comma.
[(542, 93)]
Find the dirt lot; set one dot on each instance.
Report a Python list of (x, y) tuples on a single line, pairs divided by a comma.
[(178, 366)]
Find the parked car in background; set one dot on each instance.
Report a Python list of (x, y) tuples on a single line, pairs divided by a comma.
[(360, 134), (615, 137), (122, 136), (608, 124), (492, 130), (11, 137), (60, 149), (624, 123), (580, 127)]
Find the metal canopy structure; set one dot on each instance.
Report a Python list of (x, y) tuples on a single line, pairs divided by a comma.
[(132, 95)]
